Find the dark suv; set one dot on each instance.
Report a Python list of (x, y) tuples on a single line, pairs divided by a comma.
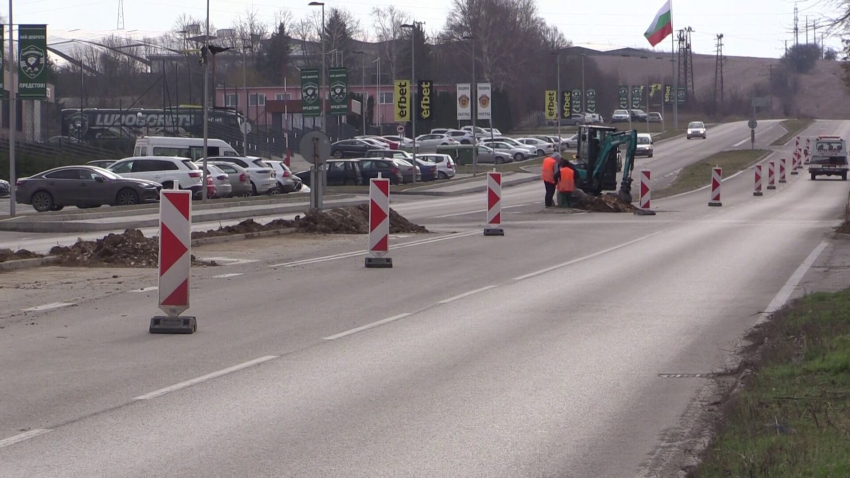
[(371, 167), (341, 172)]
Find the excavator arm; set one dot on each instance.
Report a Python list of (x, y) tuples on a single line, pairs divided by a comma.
[(613, 141)]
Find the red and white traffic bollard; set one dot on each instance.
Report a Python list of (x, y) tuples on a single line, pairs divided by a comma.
[(807, 151), (379, 224), (757, 191), (782, 170), (794, 164), (716, 178), (175, 262), (645, 192), (494, 205), (771, 174)]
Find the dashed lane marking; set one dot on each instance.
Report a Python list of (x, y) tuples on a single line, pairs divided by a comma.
[(204, 378), (227, 276), (467, 294), (23, 437), (368, 326), (54, 305)]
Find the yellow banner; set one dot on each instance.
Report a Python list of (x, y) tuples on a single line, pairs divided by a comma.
[(551, 108), (402, 100)]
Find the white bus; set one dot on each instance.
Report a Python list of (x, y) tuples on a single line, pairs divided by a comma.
[(191, 148)]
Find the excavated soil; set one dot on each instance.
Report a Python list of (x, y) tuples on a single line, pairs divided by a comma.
[(8, 255), (129, 249), (604, 203)]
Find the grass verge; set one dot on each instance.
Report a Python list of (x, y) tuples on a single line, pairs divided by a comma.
[(504, 168), (792, 417), (793, 128), (698, 174)]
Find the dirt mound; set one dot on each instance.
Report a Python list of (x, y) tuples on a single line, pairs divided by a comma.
[(9, 255), (604, 203), (130, 249)]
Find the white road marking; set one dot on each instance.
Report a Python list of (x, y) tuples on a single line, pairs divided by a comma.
[(467, 294), (225, 276), (367, 326), (786, 291), (722, 180), (23, 436), (739, 143), (229, 261), (146, 289), (580, 259), (204, 378), (518, 205), (54, 305), (479, 211)]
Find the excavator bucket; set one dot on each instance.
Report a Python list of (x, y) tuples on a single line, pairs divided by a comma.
[(625, 195)]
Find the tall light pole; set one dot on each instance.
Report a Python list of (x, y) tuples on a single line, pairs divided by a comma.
[(378, 116), (558, 94), (206, 56), (363, 87), (583, 91), (322, 79), (474, 100), (13, 113), (412, 28)]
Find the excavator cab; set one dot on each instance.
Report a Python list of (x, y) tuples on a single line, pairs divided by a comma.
[(597, 161)]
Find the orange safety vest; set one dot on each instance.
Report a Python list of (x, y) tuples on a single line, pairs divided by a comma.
[(548, 173), (567, 182)]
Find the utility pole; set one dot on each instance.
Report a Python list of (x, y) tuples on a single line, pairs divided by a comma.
[(204, 103), (412, 26), (13, 112), (120, 25), (796, 25), (675, 79), (558, 95), (807, 29), (583, 91), (718, 78)]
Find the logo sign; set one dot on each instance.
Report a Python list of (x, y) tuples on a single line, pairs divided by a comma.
[(654, 89), (668, 94), (402, 100), (637, 97), (32, 61), (577, 101), (464, 101), (590, 98), (623, 96), (339, 90), (311, 105), (566, 103), (426, 110), (484, 101), (682, 96), (551, 109)]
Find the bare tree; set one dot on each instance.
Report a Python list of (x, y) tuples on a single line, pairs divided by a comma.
[(387, 23)]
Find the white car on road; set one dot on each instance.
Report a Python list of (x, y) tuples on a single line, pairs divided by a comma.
[(696, 129), (445, 164)]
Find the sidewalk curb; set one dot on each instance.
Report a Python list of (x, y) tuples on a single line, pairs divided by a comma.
[(476, 189), (27, 263)]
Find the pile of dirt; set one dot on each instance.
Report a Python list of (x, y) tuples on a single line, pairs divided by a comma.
[(604, 203), (9, 255), (130, 249)]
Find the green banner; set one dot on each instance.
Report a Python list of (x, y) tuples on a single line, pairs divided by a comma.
[(637, 97), (339, 90), (32, 62), (623, 92), (311, 104), (576, 101), (682, 95), (590, 98)]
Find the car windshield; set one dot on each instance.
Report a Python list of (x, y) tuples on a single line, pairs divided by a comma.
[(644, 140), (621, 112), (696, 125), (189, 164)]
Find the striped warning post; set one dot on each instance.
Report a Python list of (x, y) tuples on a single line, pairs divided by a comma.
[(494, 205), (716, 178), (645, 193), (782, 170), (175, 262), (807, 153), (757, 191), (795, 165), (379, 223), (771, 174)]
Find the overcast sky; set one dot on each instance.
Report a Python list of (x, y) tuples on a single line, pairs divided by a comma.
[(751, 27)]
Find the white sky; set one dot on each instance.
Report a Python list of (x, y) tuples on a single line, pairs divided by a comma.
[(751, 27)]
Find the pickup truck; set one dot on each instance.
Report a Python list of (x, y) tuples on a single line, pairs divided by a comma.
[(829, 157)]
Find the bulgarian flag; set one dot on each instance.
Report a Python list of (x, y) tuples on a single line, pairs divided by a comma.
[(661, 26)]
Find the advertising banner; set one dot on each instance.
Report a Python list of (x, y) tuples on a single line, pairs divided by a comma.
[(464, 101), (623, 97), (668, 94), (551, 105), (402, 101), (426, 104), (2, 63), (590, 98), (576, 101), (566, 103), (311, 104), (32, 62), (637, 97), (338, 90), (485, 99), (682, 95)]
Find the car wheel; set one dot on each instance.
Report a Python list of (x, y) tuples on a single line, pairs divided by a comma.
[(518, 157), (650, 155), (814, 176), (278, 189), (844, 177), (253, 189), (126, 197), (540, 152), (168, 185), (689, 137), (499, 160), (442, 175), (42, 201), (337, 154), (57, 208)]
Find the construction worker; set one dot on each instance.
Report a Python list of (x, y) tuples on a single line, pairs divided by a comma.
[(566, 183), (549, 173)]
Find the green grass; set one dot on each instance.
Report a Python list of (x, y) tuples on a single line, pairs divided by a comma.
[(698, 174), (802, 382), (793, 128)]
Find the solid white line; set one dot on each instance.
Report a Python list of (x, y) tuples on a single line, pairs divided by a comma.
[(518, 205), (460, 214), (23, 436), (367, 326), (204, 378), (788, 289), (580, 259), (467, 294), (54, 305), (740, 142), (225, 276), (146, 289)]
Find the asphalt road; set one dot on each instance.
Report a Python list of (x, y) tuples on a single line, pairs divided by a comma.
[(542, 353)]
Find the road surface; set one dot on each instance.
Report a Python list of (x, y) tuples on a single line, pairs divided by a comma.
[(542, 353)]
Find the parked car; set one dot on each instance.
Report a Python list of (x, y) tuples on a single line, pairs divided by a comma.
[(388, 153), (58, 140), (529, 148), (219, 179), (84, 187), (595, 118), (461, 136), (283, 175), (353, 148), (239, 177), (654, 117), (571, 142), (696, 129), (638, 115), (5, 189), (403, 141), (165, 170), (493, 131), (644, 145), (479, 131), (429, 142), (440, 130), (262, 175), (620, 116), (427, 168), (380, 141), (102, 163), (445, 164), (543, 147), (575, 119), (387, 168), (340, 172), (407, 170), (490, 155), (403, 160)]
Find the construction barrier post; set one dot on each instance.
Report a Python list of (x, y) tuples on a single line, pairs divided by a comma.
[(379, 223), (494, 205), (794, 164), (807, 151), (771, 174), (716, 178), (175, 262), (645, 192), (757, 191), (782, 170)]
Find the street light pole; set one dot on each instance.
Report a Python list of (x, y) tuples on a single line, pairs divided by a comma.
[(378, 116), (558, 95), (206, 56), (363, 87), (245, 108), (583, 91), (324, 69), (472, 110), (412, 28), (13, 114)]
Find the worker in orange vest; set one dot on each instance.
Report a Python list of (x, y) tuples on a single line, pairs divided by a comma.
[(566, 183), (549, 176)]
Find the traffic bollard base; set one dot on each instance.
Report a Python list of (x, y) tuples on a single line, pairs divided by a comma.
[(794, 172), (771, 187), (494, 231), (715, 204), (782, 181), (758, 193), (173, 325), (379, 262), (641, 211)]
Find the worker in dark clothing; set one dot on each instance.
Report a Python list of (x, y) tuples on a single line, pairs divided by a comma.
[(566, 183), (549, 177)]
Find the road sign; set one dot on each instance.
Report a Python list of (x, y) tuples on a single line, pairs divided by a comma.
[(245, 127), (753, 124), (315, 142), (399, 129)]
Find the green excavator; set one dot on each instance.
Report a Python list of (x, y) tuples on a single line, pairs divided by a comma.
[(598, 160)]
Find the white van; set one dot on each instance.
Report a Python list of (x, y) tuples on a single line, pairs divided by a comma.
[(191, 148)]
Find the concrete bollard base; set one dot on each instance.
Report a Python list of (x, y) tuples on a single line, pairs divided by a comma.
[(173, 325)]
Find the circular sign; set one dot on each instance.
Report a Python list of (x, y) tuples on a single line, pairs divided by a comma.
[(753, 124), (245, 127), (399, 129), (315, 145)]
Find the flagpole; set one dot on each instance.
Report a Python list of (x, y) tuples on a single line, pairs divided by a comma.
[(674, 61)]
